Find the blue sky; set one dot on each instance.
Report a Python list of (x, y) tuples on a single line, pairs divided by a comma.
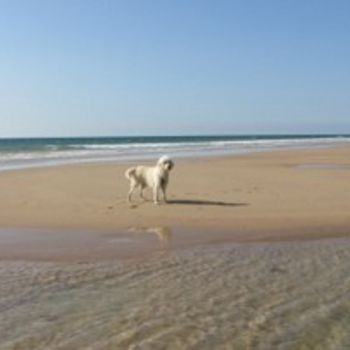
[(79, 68)]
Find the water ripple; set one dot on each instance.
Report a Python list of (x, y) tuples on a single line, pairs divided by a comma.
[(238, 296)]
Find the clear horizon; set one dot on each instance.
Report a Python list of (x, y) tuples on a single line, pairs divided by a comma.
[(82, 68), (297, 135)]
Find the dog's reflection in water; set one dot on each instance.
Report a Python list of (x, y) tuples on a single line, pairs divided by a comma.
[(163, 233)]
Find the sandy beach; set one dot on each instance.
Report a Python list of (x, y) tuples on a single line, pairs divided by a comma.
[(278, 194)]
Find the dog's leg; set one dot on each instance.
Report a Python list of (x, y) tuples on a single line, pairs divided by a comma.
[(142, 195), (155, 194), (131, 191), (163, 186), (164, 195)]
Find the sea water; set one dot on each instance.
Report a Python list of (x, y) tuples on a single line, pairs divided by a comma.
[(29, 152)]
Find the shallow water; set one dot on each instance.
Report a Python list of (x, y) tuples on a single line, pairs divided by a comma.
[(289, 295)]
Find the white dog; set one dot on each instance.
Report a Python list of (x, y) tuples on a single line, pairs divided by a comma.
[(156, 177)]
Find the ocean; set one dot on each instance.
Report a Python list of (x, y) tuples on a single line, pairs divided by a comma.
[(29, 152)]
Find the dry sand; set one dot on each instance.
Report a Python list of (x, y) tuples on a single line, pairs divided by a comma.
[(275, 194)]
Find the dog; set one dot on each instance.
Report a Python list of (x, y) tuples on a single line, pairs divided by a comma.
[(156, 178)]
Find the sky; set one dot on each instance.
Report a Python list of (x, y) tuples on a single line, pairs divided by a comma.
[(152, 67)]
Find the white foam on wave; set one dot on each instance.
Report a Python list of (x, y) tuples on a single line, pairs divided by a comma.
[(54, 155)]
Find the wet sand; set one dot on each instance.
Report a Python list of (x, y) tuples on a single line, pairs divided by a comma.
[(35, 245)]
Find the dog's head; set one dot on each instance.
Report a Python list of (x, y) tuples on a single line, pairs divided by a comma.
[(165, 162)]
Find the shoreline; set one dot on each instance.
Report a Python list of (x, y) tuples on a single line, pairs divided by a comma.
[(150, 160), (275, 194), (197, 151)]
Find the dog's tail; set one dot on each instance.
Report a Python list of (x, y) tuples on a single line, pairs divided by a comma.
[(130, 173)]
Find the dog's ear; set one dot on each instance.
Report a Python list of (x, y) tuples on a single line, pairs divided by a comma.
[(170, 164)]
